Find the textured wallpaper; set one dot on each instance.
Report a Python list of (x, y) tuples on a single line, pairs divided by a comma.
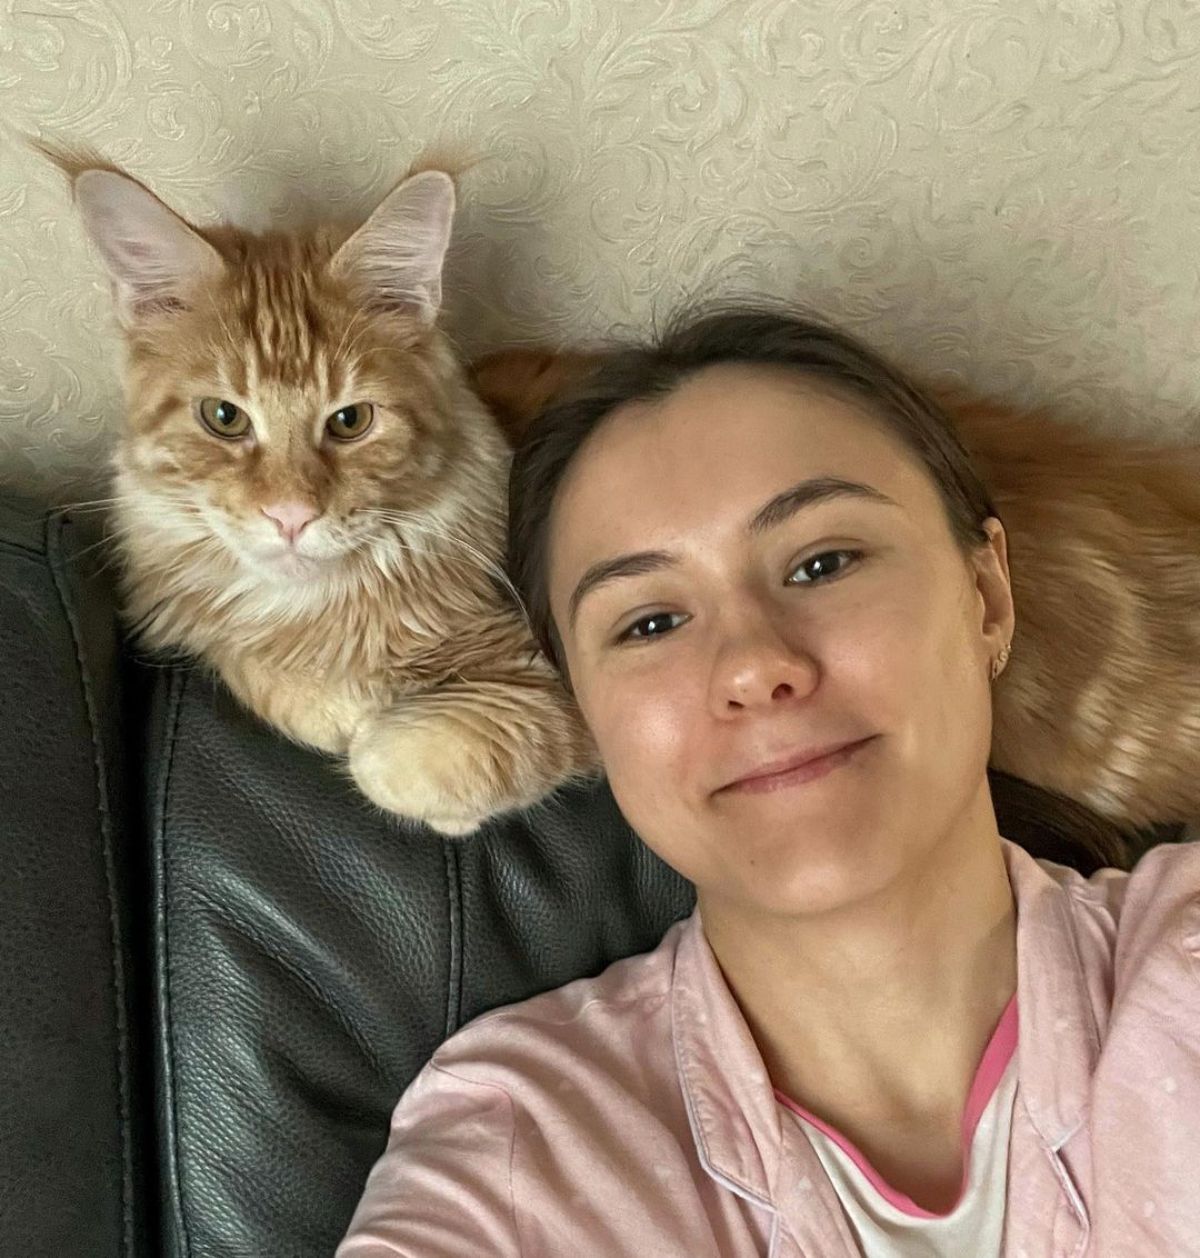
[(1005, 194)]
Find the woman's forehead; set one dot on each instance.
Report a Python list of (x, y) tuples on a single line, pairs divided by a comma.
[(720, 445)]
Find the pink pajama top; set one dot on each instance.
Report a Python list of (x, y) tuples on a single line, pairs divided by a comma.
[(631, 1115)]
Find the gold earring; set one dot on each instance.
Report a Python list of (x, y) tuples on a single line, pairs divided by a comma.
[(999, 662)]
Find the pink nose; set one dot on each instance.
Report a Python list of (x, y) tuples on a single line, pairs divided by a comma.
[(290, 518)]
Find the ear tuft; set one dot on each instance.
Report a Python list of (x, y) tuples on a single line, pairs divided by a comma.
[(154, 257), (396, 257)]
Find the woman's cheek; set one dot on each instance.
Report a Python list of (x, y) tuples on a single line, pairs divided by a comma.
[(878, 650), (650, 771), (637, 718)]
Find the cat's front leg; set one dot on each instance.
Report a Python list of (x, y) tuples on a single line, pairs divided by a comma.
[(309, 708), (457, 755)]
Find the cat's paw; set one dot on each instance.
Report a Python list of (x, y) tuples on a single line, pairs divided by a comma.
[(425, 766)]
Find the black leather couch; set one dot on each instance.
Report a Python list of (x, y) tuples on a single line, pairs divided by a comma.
[(219, 967)]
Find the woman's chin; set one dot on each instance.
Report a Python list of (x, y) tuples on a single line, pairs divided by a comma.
[(800, 866), (815, 890)]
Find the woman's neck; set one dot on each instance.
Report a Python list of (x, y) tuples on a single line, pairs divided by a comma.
[(874, 1016)]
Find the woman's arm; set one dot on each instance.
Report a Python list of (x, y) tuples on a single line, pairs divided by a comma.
[(443, 1187)]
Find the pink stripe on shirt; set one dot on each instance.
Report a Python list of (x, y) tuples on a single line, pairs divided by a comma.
[(992, 1065)]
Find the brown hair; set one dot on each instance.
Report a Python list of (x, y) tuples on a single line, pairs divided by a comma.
[(1045, 823)]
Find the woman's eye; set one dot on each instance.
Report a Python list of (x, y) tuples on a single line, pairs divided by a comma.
[(818, 568), (351, 422), (652, 626), (223, 418)]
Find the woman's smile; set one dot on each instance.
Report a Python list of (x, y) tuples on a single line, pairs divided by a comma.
[(797, 770)]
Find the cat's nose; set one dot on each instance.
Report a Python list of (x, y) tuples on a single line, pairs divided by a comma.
[(291, 518)]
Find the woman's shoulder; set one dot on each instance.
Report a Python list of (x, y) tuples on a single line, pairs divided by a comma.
[(1160, 903), (590, 1024), (536, 1116), (1149, 913)]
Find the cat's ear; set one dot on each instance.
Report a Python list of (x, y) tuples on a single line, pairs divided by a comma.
[(154, 257), (395, 258)]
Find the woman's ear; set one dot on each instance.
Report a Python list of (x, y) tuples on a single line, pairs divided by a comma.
[(994, 587)]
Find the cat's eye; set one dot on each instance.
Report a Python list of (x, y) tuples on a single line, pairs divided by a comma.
[(351, 422), (223, 418)]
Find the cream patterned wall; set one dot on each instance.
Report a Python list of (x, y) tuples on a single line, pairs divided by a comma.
[(1006, 194)]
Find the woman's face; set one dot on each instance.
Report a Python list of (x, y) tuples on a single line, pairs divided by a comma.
[(725, 613)]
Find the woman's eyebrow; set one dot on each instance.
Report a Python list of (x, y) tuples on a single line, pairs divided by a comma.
[(631, 565), (809, 492), (772, 513)]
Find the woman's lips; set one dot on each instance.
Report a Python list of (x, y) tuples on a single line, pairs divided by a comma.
[(797, 774)]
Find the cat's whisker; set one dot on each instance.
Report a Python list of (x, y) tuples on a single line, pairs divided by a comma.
[(358, 337), (91, 503), (87, 550), (422, 524), (116, 531), (109, 539), (212, 303), (109, 563), (103, 504), (358, 314), (99, 506), (178, 665), (183, 560), (456, 539), (138, 626)]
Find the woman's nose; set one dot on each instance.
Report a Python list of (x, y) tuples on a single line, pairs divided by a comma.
[(757, 666)]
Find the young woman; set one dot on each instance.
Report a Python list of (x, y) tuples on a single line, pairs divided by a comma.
[(779, 592)]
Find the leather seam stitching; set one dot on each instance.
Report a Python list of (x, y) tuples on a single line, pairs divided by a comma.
[(174, 1183), (53, 554), (454, 907)]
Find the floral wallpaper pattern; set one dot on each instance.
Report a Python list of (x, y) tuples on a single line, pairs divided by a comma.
[(1001, 193)]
